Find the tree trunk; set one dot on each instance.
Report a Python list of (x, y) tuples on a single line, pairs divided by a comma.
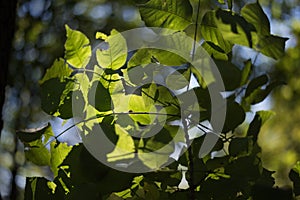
[(7, 27)]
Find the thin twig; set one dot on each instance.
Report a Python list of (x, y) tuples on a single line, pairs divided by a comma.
[(110, 114)]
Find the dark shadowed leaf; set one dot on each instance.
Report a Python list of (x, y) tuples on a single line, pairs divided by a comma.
[(256, 83), (66, 107), (235, 115), (240, 147), (231, 75), (30, 135), (51, 91), (260, 118), (294, 176), (99, 97)]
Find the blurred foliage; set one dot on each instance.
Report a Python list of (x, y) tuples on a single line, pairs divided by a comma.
[(281, 136)]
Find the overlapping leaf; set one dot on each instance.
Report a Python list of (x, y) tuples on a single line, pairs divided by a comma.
[(115, 56)]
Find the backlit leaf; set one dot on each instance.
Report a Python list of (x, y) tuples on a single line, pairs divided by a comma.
[(255, 15), (59, 70), (38, 153), (178, 79), (235, 28), (210, 32), (115, 56), (77, 48), (58, 154), (172, 14), (124, 148)]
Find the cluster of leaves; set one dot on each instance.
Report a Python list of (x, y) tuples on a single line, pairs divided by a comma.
[(102, 95)]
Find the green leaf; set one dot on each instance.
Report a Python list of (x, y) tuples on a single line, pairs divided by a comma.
[(155, 151), (172, 14), (256, 83), (51, 90), (235, 28), (65, 108), (38, 188), (166, 57), (59, 152), (255, 15), (235, 115), (202, 104), (87, 175), (146, 56), (36, 150), (165, 101), (38, 153), (168, 177), (58, 97), (272, 46), (124, 148), (139, 105), (99, 97), (141, 57), (115, 56), (266, 178), (231, 75), (179, 46), (59, 69), (77, 48), (214, 51), (240, 147), (237, 168), (259, 119), (259, 95), (211, 33), (178, 79), (216, 163), (294, 176), (246, 72)]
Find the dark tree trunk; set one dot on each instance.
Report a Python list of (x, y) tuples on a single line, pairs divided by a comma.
[(7, 27)]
